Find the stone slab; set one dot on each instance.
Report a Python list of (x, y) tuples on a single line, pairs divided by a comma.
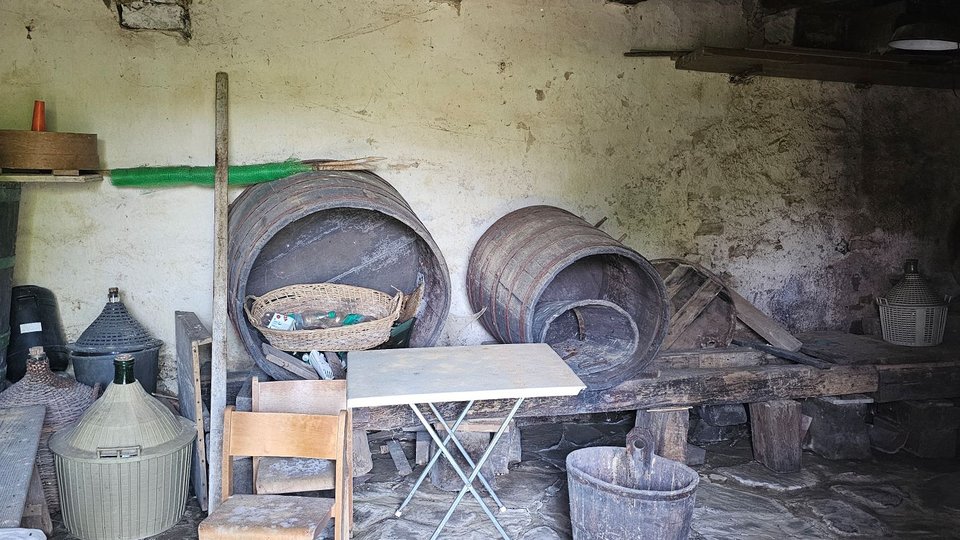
[(723, 415), (755, 475), (847, 520)]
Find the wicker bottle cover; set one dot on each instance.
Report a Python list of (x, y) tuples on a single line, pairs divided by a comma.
[(65, 401)]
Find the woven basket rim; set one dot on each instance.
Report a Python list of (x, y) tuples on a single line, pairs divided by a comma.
[(353, 337)]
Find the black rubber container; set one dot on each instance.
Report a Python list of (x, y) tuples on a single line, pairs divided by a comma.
[(114, 332), (35, 322)]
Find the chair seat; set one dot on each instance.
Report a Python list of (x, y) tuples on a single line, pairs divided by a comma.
[(292, 475), (255, 517)]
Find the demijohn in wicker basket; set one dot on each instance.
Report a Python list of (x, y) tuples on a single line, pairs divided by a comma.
[(65, 400), (326, 296)]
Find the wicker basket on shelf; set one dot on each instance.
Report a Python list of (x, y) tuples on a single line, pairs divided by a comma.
[(326, 296)]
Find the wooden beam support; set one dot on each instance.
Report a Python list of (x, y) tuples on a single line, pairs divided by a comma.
[(822, 65), (775, 429), (218, 371), (668, 429), (917, 381), (667, 388)]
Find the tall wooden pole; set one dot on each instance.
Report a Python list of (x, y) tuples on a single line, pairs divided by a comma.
[(218, 375)]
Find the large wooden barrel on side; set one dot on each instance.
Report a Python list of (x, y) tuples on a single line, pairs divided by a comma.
[(9, 214), (343, 227), (543, 274)]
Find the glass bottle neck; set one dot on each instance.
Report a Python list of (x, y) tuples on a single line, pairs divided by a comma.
[(123, 372)]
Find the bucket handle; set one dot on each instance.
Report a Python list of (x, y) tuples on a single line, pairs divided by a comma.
[(640, 448)]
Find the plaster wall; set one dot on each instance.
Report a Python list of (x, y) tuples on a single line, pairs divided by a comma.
[(807, 195)]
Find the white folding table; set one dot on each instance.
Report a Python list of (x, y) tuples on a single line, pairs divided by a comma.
[(464, 374)]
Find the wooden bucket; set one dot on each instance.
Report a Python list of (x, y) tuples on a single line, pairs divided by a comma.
[(9, 214), (534, 257), (346, 227), (625, 494)]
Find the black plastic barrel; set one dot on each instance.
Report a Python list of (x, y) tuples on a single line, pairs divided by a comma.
[(348, 227), (534, 273), (35, 322), (9, 215)]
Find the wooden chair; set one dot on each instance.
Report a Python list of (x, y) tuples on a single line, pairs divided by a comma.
[(255, 517), (273, 475)]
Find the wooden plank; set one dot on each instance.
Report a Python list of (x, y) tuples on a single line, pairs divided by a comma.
[(679, 279), (218, 371), (822, 65), (49, 178), (725, 357), (399, 459), (691, 310), (36, 515), (666, 388), (935, 380), (289, 363), (792, 356), (423, 447), (759, 322), (775, 433), (19, 440), (191, 335), (851, 349)]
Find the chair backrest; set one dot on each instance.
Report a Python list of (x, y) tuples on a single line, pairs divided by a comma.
[(304, 396), (261, 434)]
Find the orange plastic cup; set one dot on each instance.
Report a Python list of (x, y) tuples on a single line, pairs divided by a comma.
[(39, 116)]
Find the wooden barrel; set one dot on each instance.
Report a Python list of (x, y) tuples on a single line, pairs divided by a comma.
[(537, 258), (343, 227), (9, 214)]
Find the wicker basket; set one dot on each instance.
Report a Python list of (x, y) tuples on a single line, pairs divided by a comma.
[(65, 401), (326, 296), (912, 314)]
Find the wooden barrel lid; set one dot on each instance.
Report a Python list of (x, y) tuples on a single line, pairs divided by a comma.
[(48, 150)]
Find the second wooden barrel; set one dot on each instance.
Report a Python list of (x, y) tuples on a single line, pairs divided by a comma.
[(349, 227), (537, 258)]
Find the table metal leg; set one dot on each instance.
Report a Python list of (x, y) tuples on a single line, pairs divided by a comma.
[(435, 457), (468, 482), (466, 456)]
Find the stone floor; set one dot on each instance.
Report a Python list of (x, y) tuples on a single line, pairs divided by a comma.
[(885, 497)]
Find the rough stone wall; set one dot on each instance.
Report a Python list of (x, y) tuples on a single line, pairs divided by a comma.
[(807, 195)]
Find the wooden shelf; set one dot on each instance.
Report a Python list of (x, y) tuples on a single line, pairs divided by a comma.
[(50, 178), (860, 365), (825, 65)]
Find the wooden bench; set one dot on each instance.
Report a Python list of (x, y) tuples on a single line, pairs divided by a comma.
[(21, 499)]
